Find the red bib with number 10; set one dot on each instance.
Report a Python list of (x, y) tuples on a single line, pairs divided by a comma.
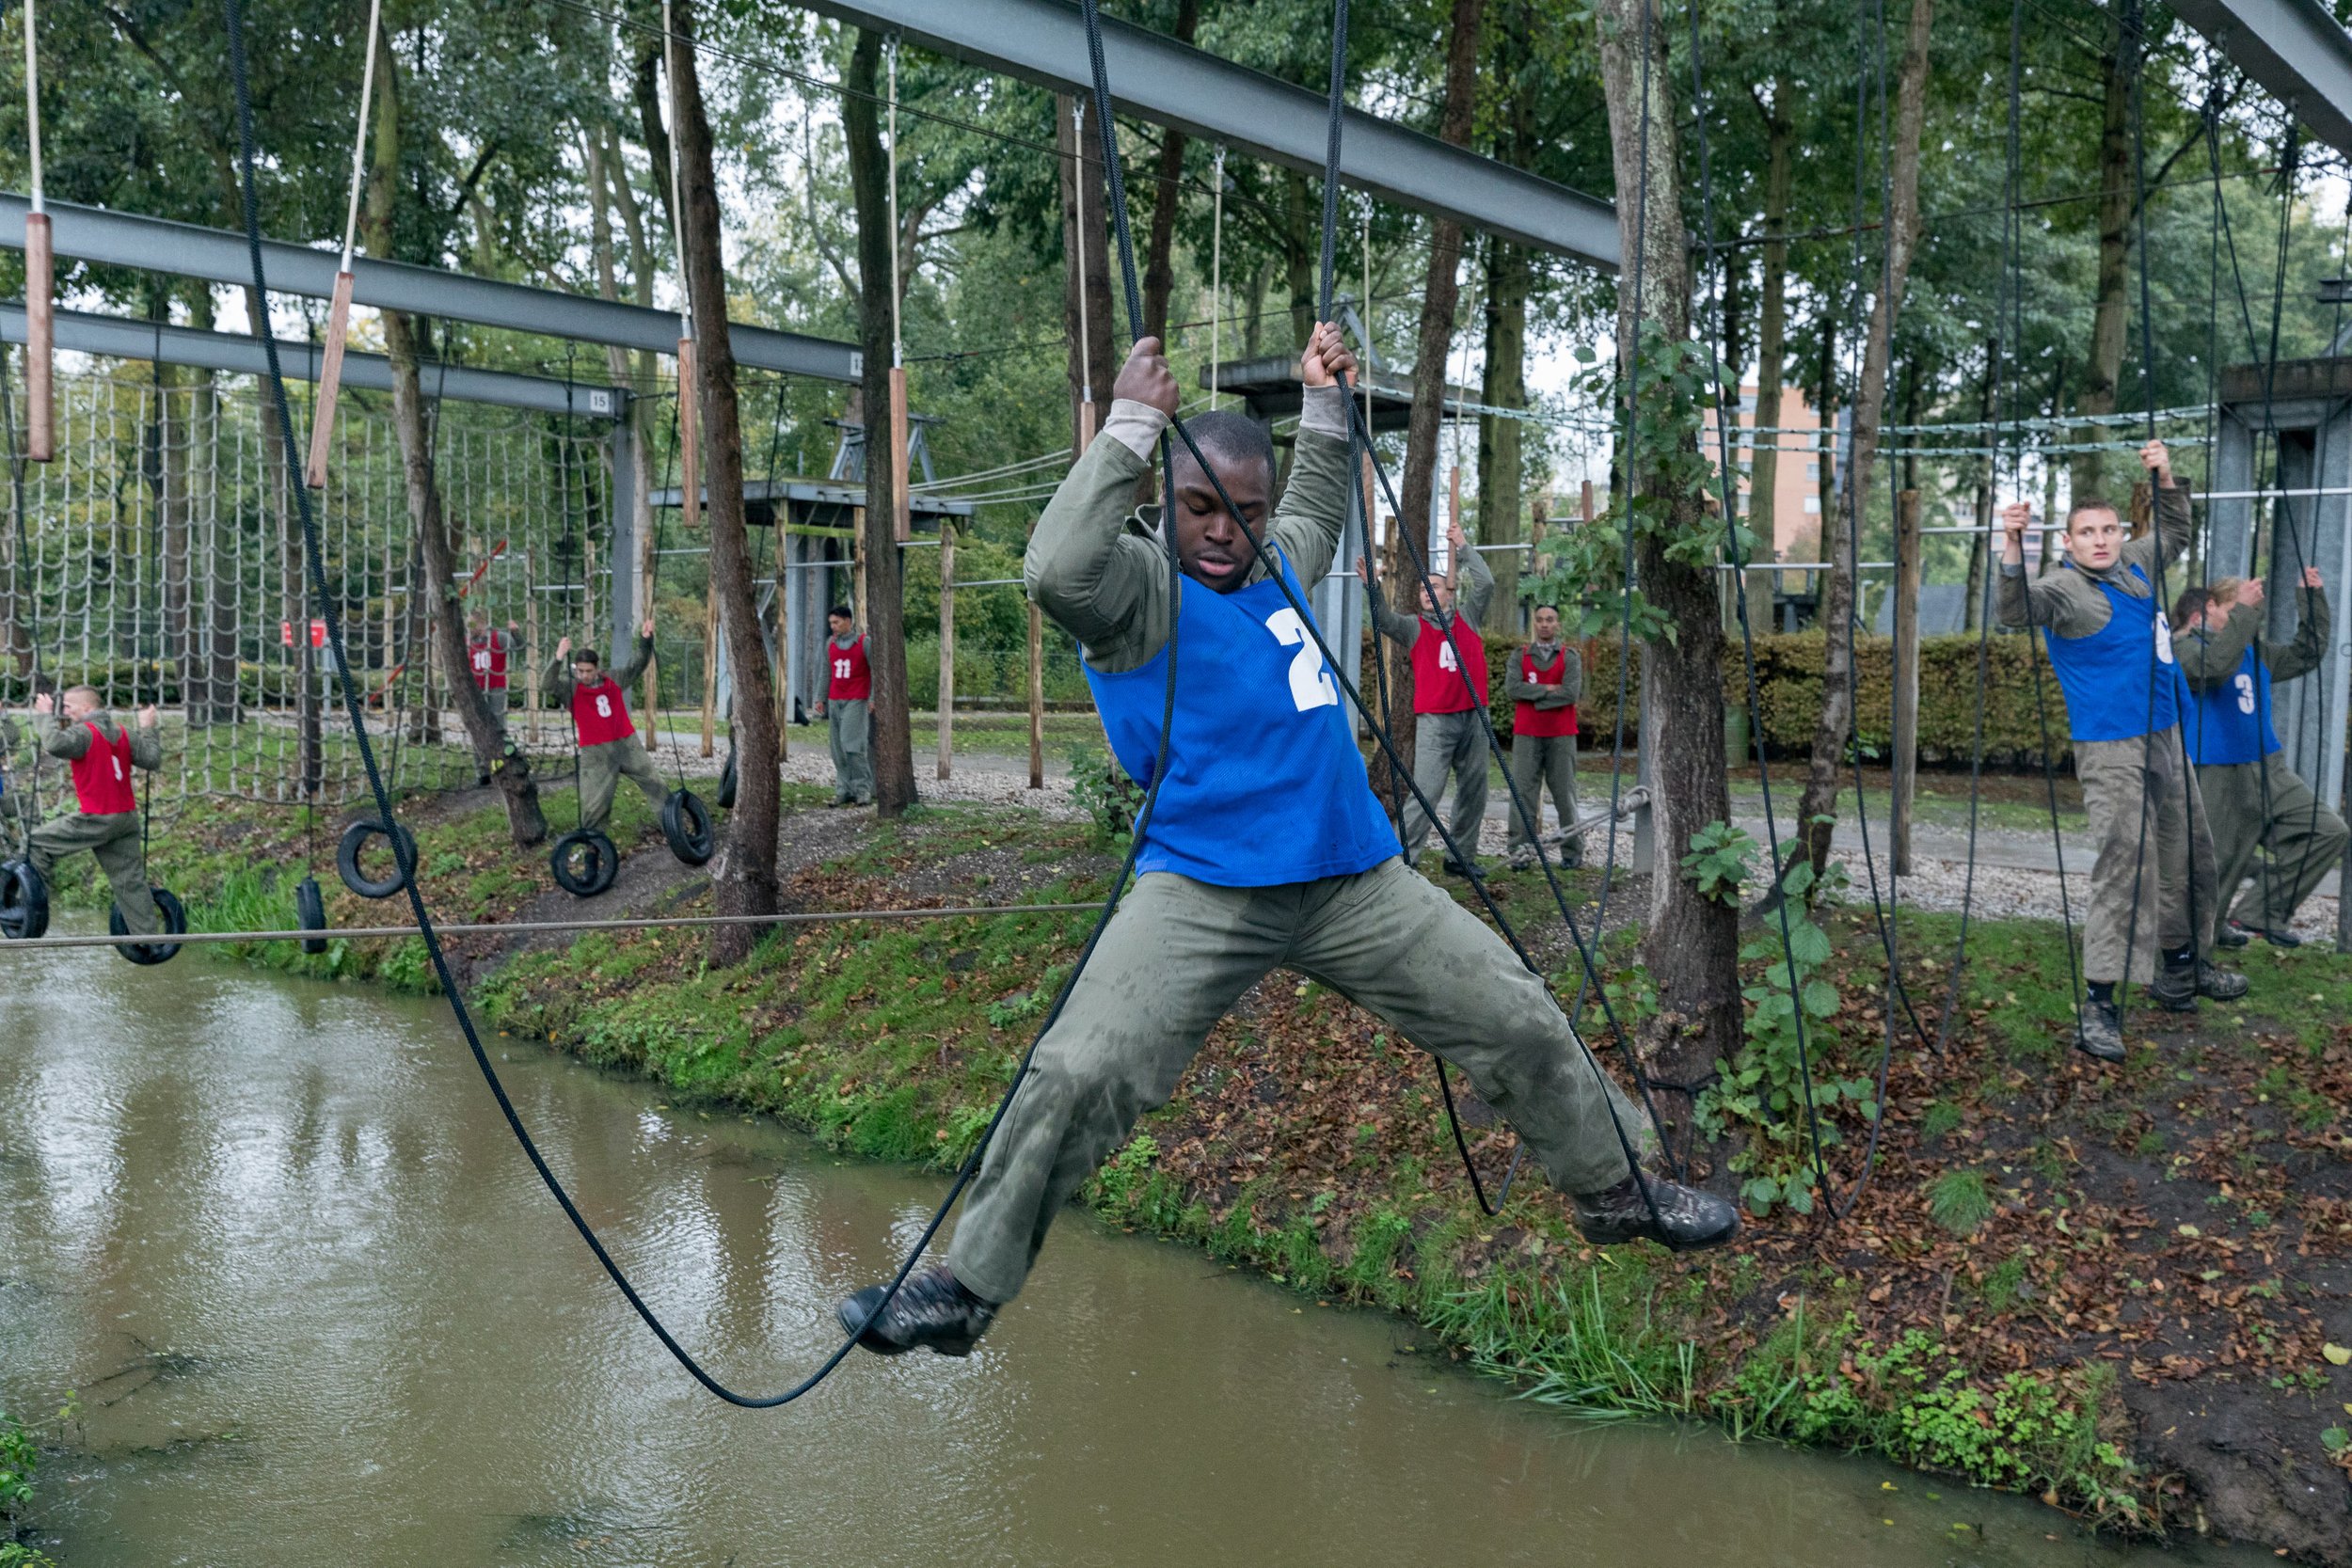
[(600, 713)]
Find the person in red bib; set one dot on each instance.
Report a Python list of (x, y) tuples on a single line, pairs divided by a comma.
[(1448, 739), (100, 755), (487, 650), (849, 711), (1547, 678), (609, 748)]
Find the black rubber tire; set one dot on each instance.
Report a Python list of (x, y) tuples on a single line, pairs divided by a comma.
[(686, 823), (354, 839), (148, 953), (24, 902), (600, 863), (727, 785), (310, 911)]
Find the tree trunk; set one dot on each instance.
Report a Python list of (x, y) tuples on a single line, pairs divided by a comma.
[(1159, 272), (436, 581), (1501, 466), (2108, 311), (1816, 808), (1771, 326), (1691, 943), (743, 878), (1440, 292), (893, 742)]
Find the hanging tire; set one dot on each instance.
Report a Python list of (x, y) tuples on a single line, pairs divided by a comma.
[(347, 858), (686, 823), (24, 902), (311, 911), (145, 953), (727, 785), (584, 862)]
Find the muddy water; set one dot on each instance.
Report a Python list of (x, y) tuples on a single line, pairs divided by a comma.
[(318, 1311)]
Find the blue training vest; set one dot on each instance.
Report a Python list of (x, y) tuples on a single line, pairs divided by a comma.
[(2117, 686), (1265, 784), (2231, 723)]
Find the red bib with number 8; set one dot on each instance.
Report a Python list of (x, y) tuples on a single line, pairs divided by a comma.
[(600, 713)]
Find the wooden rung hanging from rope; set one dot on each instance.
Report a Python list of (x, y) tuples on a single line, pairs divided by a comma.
[(338, 312), (690, 447), (40, 303)]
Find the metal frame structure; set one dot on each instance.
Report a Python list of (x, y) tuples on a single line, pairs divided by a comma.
[(217, 256), (1158, 78), (2300, 53)]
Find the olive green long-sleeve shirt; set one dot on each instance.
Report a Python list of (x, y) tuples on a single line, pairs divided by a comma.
[(559, 680), (69, 740), (1474, 585), (1100, 570), (1565, 694), (2068, 600), (2209, 659)]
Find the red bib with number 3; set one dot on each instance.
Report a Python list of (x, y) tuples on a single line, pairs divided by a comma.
[(1437, 683), (599, 713), (102, 775)]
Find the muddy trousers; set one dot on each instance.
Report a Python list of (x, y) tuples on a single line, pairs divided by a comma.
[(2153, 888), (1180, 952), (2301, 839), (849, 732), (115, 840), (604, 766), (1447, 744), (1537, 761)]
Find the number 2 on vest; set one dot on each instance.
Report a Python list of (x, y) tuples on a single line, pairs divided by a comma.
[(1311, 684)]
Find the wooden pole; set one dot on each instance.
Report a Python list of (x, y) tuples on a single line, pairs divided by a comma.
[(690, 447), (711, 669), (903, 521), (40, 305), (530, 652), (946, 645), (1907, 551), (1037, 698), (331, 384)]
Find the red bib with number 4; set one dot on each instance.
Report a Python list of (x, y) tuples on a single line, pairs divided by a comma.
[(1437, 683), (102, 775), (852, 679), (599, 713)]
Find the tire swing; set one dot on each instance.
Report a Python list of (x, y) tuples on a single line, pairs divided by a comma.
[(148, 953), (24, 901), (584, 862), (310, 913), (354, 839), (686, 823), (727, 785)]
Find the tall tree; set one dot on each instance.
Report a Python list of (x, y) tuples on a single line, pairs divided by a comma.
[(743, 876), (885, 608), (1816, 808)]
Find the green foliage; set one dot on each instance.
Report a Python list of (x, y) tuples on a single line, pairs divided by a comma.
[(19, 1457), (1107, 796), (1721, 861), (1960, 1201)]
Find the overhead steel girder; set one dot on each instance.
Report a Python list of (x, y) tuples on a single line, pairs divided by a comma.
[(2300, 53), (1154, 77), (116, 339), (217, 256)]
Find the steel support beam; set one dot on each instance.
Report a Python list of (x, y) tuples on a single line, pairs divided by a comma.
[(217, 256), (1154, 77), (2300, 53), (115, 338)]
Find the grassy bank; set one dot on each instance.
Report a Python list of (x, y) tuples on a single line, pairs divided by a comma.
[(2078, 1282)]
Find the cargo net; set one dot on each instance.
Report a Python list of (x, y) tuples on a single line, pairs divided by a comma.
[(157, 558)]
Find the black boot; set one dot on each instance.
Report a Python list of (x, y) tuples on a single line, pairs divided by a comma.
[(932, 1311), (2231, 934), (2281, 936), (1685, 1219), (2176, 990), (2101, 1034), (2222, 985)]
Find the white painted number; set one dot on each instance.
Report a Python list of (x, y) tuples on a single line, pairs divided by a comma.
[(604, 708), (2164, 638), (1445, 656), (841, 669), (117, 760), (2244, 685), (1311, 684), (481, 659)]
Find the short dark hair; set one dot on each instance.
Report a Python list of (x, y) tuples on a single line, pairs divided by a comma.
[(2190, 604), (2091, 504), (586, 655), (842, 611), (1227, 435), (1553, 608)]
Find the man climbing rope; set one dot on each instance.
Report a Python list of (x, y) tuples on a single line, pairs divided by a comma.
[(1547, 678), (848, 710), (2255, 801), (1265, 849), (609, 748), (100, 756), (2152, 885), (1446, 736)]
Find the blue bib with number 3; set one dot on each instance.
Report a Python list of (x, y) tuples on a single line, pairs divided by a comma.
[(2232, 723), (1264, 783)]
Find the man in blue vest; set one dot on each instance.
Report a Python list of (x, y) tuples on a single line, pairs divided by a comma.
[(2153, 890), (1266, 850), (2255, 800)]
